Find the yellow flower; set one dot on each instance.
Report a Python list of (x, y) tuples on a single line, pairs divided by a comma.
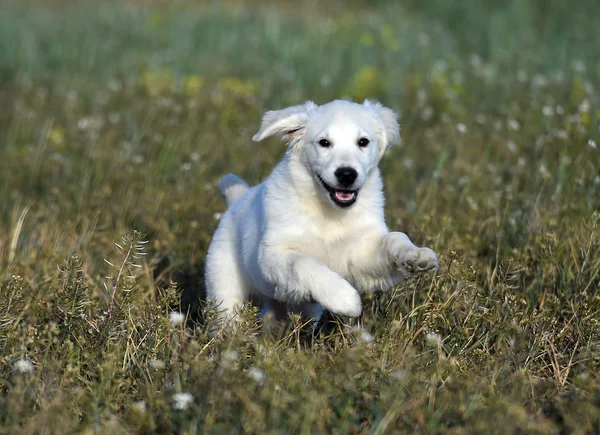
[(56, 135), (367, 39), (155, 83), (366, 83), (585, 118), (578, 92), (238, 87), (390, 41), (192, 84)]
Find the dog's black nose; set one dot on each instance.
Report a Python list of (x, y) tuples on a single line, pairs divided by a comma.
[(346, 176)]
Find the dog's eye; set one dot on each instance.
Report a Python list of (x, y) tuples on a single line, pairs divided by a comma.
[(363, 142), (324, 143)]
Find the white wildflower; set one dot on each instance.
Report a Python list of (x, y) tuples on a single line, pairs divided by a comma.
[(176, 318), (592, 144), (366, 336), (115, 85), (548, 111), (218, 216), (140, 406), (186, 166), (182, 400), (539, 81), (561, 134), (157, 364), (400, 375), (165, 102), (24, 366), (195, 156), (423, 38), (229, 359), (230, 356), (584, 107), (511, 145), (426, 113), (440, 66), (513, 124), (579, 66), (489, 72), (90, 123), (433, 339), (361, 334), (475, 60), (462, 128), (472, 203), (83, 123), (407, 163), (114, 117), (255, 374)]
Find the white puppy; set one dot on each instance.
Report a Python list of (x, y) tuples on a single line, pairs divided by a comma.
[(313, 235)]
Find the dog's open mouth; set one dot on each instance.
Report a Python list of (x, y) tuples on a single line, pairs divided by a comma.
[(341, 197)]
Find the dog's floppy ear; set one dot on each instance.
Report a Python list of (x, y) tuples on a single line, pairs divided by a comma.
[(288, 123), (389, 120)]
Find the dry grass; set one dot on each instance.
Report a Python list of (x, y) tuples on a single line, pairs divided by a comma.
[(117, 122)]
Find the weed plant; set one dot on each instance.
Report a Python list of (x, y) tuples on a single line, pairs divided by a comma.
[(117, 120)]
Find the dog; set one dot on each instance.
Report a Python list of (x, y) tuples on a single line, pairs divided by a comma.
[(312, 236)]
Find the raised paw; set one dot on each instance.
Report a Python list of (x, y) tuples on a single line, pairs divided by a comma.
[(339, 297), (415, 260)]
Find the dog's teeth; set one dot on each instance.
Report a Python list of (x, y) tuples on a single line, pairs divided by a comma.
[(340, 195)]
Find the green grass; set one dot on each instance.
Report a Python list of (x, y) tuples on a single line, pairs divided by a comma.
[(118, 117)]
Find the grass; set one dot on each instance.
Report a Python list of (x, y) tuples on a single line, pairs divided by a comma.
[(117, 121)]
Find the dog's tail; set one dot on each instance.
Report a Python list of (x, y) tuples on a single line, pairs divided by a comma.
[(232, 188)]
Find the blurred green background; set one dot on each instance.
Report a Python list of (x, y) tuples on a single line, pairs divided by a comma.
[(121, 116)]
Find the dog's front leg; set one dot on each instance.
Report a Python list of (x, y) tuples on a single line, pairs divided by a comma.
[(297, 278), (407, 258), (379, 261)]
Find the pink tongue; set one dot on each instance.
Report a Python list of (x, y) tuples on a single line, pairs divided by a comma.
[(340, 195)]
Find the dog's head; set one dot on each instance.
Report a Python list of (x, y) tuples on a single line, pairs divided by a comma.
[(340, 143)]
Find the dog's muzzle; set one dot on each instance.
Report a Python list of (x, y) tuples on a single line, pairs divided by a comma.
[(341, 197)]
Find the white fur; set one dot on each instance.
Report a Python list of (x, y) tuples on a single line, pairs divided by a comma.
[(286, 243)]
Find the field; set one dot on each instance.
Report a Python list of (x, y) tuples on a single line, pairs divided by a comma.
[(117, 120)]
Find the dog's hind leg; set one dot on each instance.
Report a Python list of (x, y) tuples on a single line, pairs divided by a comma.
[(232, 188), (226, 284), (272, 313)]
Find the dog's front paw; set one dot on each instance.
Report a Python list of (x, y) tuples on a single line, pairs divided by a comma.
[(410, 259), (339, 297)]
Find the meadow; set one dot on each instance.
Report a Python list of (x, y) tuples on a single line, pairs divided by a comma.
[(117, 120)]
